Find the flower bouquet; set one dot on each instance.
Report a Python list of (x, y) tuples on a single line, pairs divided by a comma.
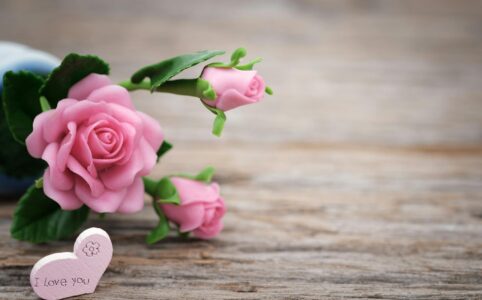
[(95, 149)]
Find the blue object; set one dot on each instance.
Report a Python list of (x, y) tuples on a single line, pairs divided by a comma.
[(16, 57)]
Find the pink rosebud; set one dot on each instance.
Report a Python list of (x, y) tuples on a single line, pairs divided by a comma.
[(97, 147), (201, 209), (233, 87)]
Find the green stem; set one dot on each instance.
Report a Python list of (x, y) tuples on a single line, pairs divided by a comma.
[(150, 186), (196, 87)]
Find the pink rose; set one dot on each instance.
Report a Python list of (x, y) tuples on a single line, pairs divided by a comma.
[(97, 147), (201, 208), (233, 87)]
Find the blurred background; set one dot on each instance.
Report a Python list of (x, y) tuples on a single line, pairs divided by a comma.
[(401, 73), (370, 147)]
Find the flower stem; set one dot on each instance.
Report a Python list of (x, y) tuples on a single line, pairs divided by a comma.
[(196, 87)]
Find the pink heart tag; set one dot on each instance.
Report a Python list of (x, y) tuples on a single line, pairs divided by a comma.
[(67, 274)]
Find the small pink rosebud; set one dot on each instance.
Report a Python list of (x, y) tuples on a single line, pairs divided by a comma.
[(201, 209), (233, 87)]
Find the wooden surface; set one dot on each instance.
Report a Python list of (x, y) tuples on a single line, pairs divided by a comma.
[(360, 178)]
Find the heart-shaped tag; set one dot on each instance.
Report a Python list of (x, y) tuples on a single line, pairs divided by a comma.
[(68, 274)]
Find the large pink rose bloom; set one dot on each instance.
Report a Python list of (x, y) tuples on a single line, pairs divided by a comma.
[(233, 87), (97, 147), (201, 209)]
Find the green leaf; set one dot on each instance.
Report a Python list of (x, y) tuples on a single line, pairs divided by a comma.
[(39, 219), (14, 159), (165, 147), (161, 230), (73, 68), (21, 102), (166, 192), (163, 71)]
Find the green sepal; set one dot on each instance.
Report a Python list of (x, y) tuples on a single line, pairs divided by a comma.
[(249, 66), (268, 90), (166, 192), (161, 230), (39, 183), (165, 70), (21, 102), (206, 90), (163, 191), (206, 175), (183, 235), (235, 59), (39, 219), (163, 149), (73, 68), (218, 124), (219, 120)]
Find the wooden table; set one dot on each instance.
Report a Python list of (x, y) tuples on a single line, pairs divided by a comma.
[(360, 178)]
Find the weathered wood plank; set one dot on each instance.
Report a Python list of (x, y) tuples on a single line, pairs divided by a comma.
[(360, 178)]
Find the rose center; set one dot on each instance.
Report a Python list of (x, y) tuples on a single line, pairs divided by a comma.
[(253, 88), (106, 137)]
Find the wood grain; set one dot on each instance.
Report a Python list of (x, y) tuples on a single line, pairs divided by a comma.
[(360, 178)]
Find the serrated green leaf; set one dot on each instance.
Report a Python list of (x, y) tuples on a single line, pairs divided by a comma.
[(73, 68), (21, 102), (163, 71), (160, 231), (39, 219), (14, 159), (165, 147)]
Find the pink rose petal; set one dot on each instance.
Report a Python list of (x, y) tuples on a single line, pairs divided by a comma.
[(66, 199), (113, 94), (61, 180), (152, 131), (107, 202), (188, 217), (84, 87), (134, 199)]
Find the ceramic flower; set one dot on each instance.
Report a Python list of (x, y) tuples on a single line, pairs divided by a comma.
[(99, 150), (201, 209), (97, 146), (234, 87)]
